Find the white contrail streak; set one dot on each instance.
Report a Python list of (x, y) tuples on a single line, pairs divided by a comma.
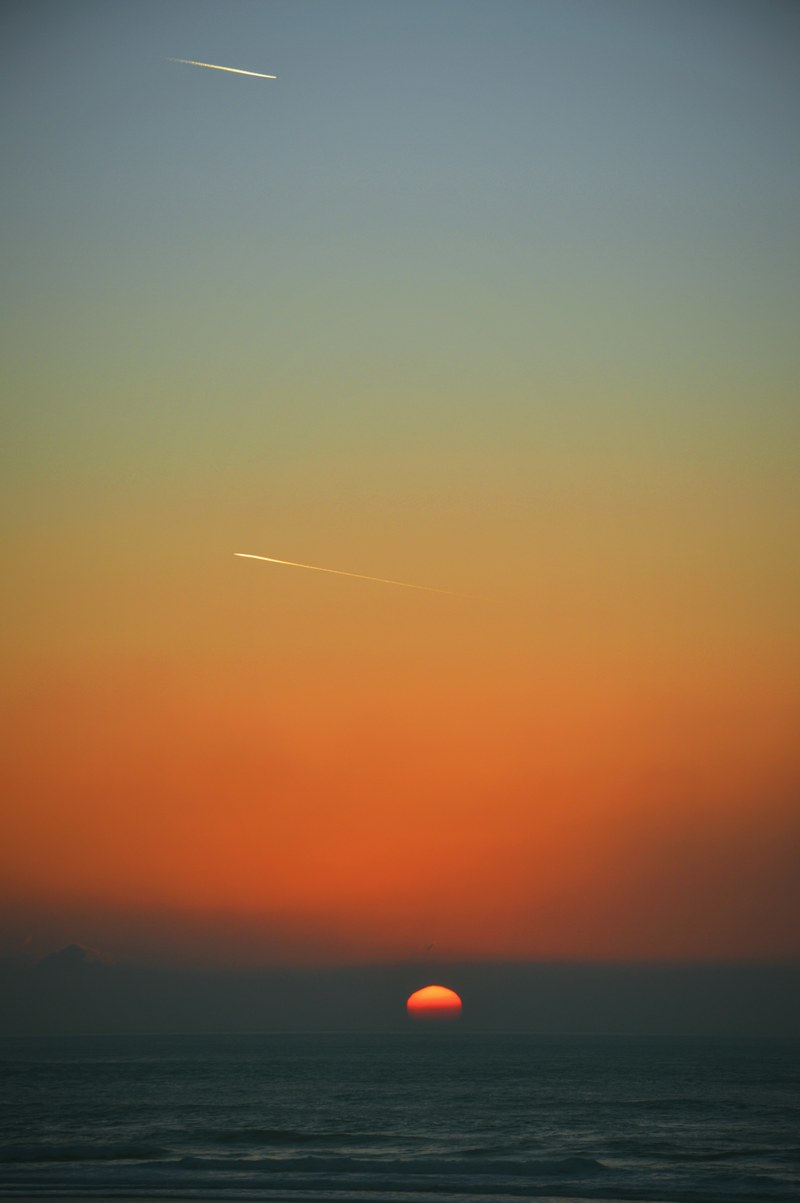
[(338, 572), (215, 67)]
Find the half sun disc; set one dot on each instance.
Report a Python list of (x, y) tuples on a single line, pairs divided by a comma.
[(434, 1003)]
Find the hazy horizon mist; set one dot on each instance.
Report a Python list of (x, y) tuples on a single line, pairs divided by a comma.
[(79, 991)]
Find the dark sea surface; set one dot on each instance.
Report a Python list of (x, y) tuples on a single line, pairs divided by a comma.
[(424, 1115)]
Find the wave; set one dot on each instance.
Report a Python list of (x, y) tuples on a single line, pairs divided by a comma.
[(453, 1166), (322, 1179), (418, 1167), (32, 1153), (283, 1136), (676, 1154)]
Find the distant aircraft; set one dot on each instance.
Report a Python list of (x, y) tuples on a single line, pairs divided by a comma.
[(215, 67), (245, 555)]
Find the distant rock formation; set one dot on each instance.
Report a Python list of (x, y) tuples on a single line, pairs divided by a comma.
[(75, 957)]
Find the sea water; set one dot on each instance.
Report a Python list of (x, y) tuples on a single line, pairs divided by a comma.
[(444, 1115)]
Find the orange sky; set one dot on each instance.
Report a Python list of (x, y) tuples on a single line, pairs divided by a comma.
[(493, 810)]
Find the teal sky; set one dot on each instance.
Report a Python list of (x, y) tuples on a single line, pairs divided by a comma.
[(509, 198)]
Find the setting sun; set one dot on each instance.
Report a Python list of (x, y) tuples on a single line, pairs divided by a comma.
[(434, 1003)]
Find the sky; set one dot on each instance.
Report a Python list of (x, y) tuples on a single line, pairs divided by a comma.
[(499, 298)]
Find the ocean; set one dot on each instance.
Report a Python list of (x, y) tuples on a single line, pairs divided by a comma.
[(425, 1115)]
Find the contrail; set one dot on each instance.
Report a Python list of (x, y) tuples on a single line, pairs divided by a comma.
[(338, 572), (215, 67)]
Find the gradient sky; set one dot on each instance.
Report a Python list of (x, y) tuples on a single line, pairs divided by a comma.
[(497, 297)]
